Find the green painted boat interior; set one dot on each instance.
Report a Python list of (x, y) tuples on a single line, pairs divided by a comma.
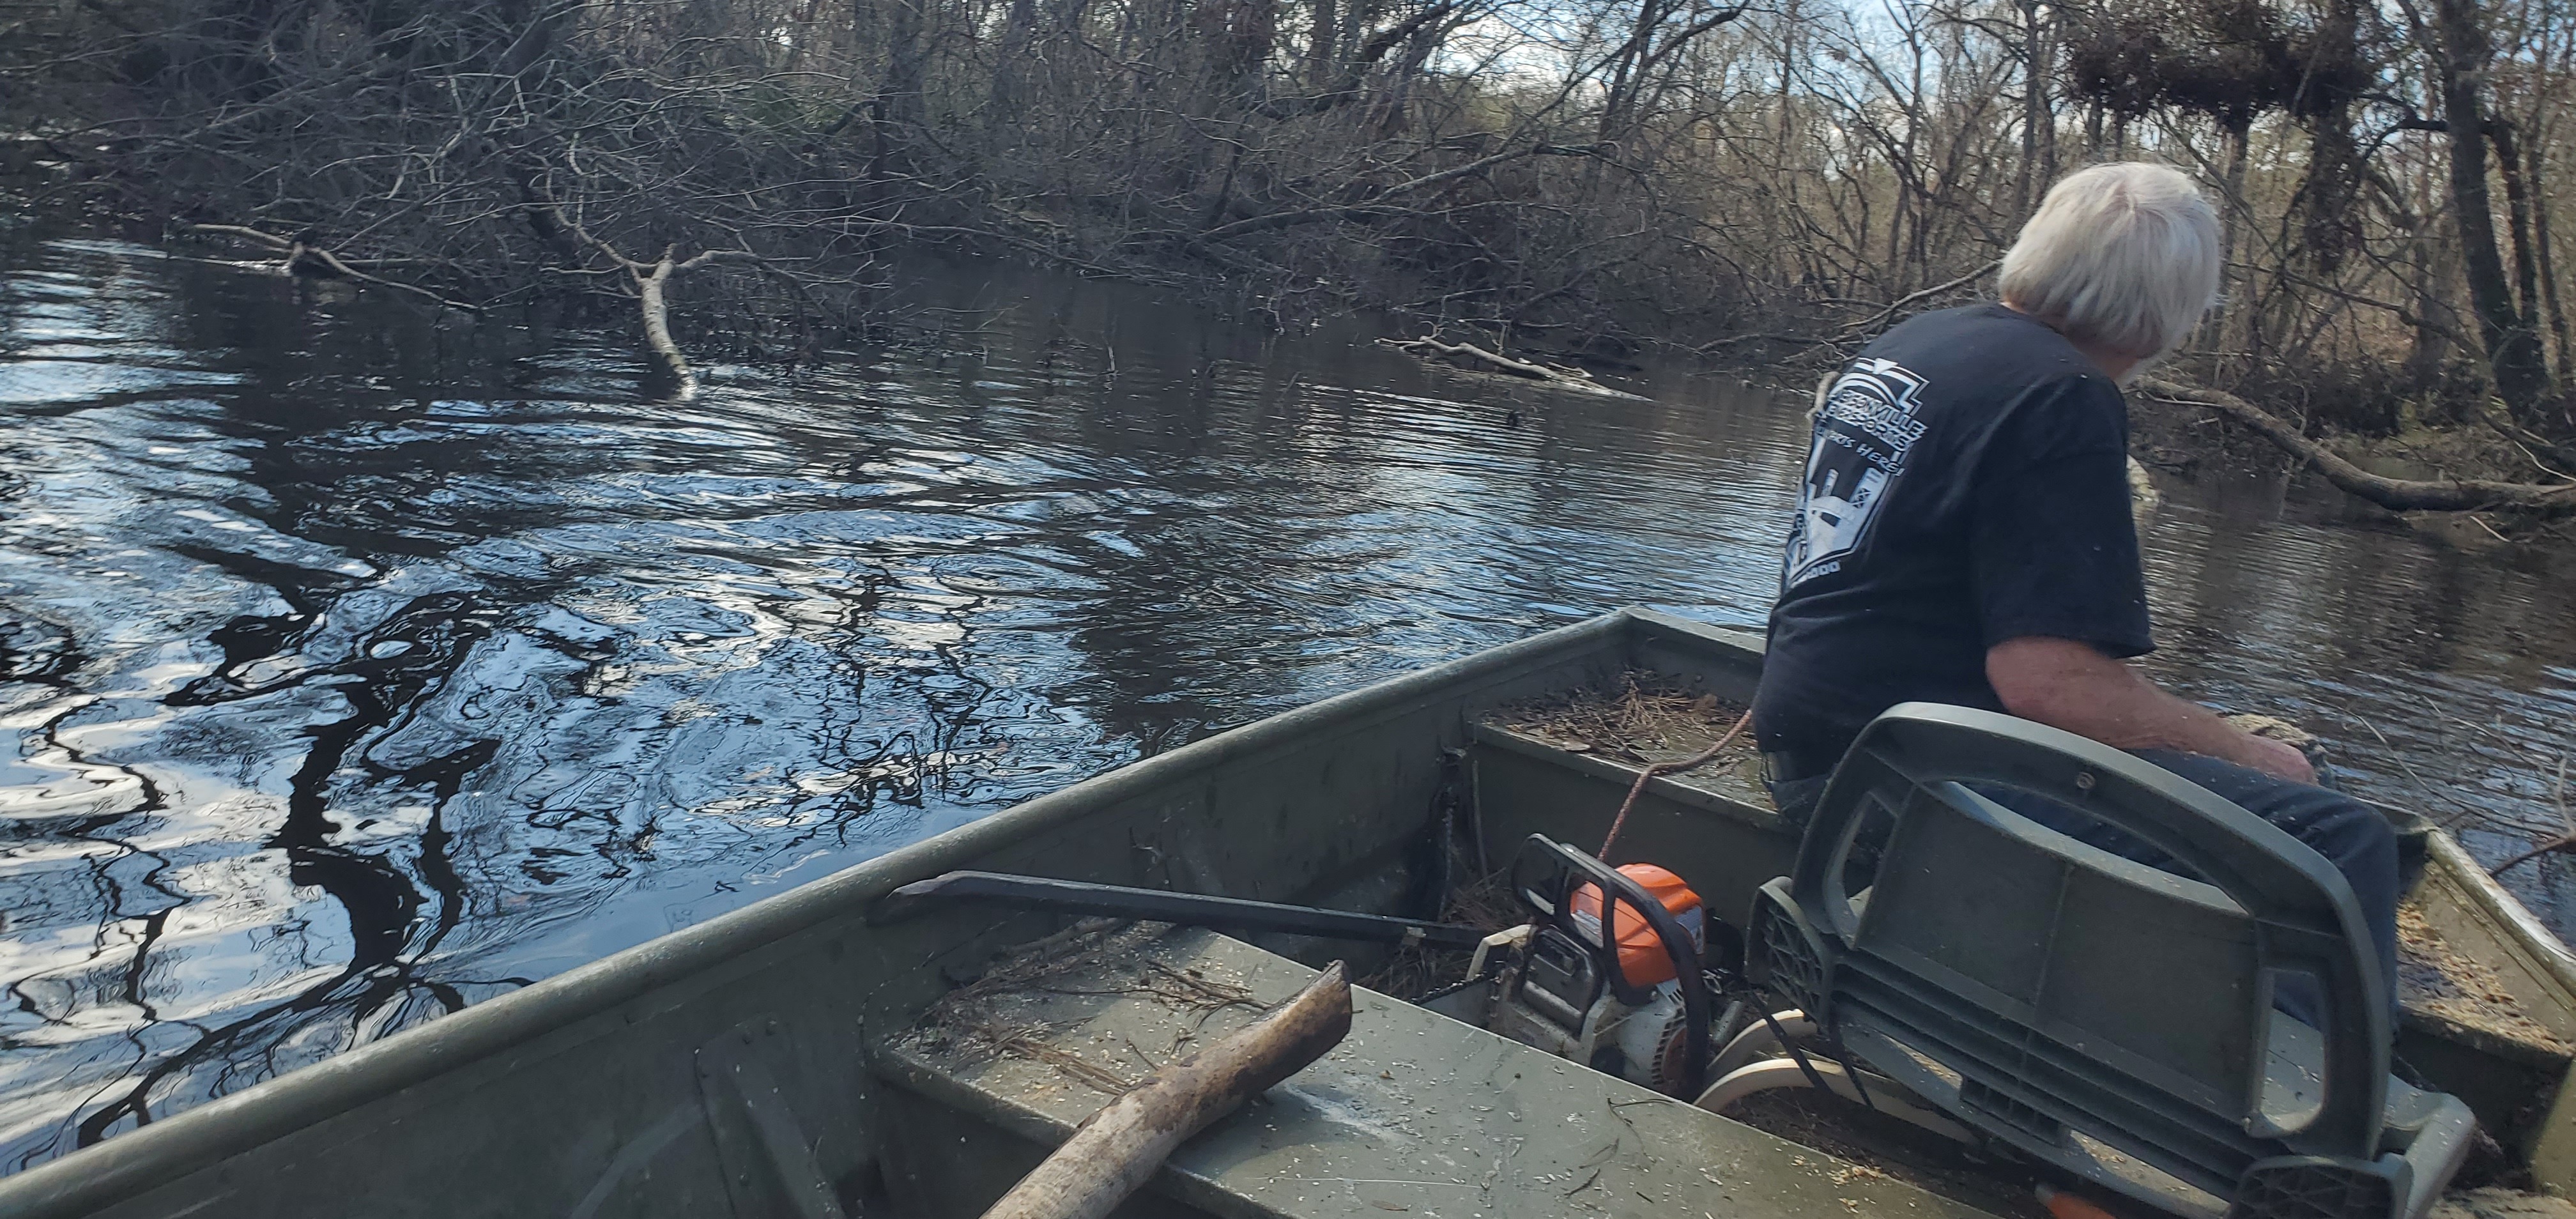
[(803, 1056)]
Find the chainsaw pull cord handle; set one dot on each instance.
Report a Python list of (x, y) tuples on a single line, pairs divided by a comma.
[(1702, 758), (1617, 889)]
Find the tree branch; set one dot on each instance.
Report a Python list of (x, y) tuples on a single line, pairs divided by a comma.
[(2402, 495), (298, 252), (1376, 203)]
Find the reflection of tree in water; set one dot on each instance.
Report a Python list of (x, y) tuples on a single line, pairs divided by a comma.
[(388, 935), (403, 899), (46, 656), (393, 741)]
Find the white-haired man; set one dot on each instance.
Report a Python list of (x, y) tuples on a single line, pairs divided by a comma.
[(1964, 533)]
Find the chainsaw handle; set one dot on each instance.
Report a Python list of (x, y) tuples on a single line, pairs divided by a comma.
[(1561, 869)]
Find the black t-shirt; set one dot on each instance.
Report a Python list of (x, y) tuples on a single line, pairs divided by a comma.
[(1967, 484)]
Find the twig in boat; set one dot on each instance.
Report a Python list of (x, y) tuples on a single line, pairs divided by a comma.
[(1645, 712), (1113, 1152), (1005, 1040)]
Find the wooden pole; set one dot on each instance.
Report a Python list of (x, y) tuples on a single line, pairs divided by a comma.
[(1114, 1151)]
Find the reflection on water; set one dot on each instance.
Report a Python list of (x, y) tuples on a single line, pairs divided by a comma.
[(361, 664)]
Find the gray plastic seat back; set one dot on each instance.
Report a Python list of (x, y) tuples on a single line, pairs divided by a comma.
[(2039, 986)]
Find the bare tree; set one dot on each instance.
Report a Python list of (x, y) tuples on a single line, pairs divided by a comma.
[(1568, 175)]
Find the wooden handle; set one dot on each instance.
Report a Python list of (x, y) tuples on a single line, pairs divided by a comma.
[(1115, 1150)]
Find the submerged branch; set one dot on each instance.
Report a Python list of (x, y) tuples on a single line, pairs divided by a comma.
[(303, 257), (650, 284), (1477, 359)]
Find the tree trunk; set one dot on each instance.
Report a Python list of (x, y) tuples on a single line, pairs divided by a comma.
[(1321, 37), (2231, 220), (2432, 344), (1357, 17), (1017, 30), (2034, 107), (898, 105), (2513, 349), (2534, 155), (1628, 70), (2517, 206)]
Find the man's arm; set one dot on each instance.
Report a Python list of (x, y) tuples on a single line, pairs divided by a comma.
[(2070, 685)]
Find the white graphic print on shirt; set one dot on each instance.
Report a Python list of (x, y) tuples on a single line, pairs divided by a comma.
[(1863, 433)]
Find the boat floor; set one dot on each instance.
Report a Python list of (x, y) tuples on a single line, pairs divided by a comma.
[(1412, 1112)]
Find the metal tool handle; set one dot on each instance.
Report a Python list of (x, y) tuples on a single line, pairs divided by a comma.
[(1189, 909)]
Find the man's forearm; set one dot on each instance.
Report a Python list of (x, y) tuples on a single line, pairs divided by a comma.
[(2130, 712), (2069, 685)]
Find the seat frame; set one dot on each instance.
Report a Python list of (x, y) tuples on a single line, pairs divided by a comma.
[(2364, 1146)]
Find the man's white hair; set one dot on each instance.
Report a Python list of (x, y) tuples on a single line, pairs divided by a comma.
[(2123, 256)]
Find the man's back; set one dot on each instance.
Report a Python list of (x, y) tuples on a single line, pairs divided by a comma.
[(1966, 484)]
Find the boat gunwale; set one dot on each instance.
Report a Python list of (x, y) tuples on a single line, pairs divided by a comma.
[(2554, 962), (129, 1164)]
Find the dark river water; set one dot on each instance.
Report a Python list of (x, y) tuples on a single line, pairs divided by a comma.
[(358, 664)]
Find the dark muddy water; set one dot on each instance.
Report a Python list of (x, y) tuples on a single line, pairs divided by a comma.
[(357, 665)]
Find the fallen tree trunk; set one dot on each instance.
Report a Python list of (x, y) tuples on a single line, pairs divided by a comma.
[(1113, 1152), (1476, 359), (2399, 494)]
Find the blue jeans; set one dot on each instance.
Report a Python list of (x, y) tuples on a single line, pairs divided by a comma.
[(2354, 838)]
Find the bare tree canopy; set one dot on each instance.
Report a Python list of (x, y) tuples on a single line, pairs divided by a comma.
[(1566, 176)]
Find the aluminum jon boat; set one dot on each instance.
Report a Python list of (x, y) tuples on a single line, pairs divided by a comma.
[(819, 1054)]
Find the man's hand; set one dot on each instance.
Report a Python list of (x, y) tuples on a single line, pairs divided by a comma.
[(2277, 758), (2066, 684)]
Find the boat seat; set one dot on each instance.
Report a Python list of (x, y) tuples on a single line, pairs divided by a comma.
[(1413, 1112), (2111, 1019)]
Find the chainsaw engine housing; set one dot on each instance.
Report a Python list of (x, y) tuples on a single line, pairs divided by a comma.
[(1562, 985)]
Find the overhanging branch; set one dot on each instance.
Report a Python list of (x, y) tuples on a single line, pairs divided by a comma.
[(2398, 494)]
